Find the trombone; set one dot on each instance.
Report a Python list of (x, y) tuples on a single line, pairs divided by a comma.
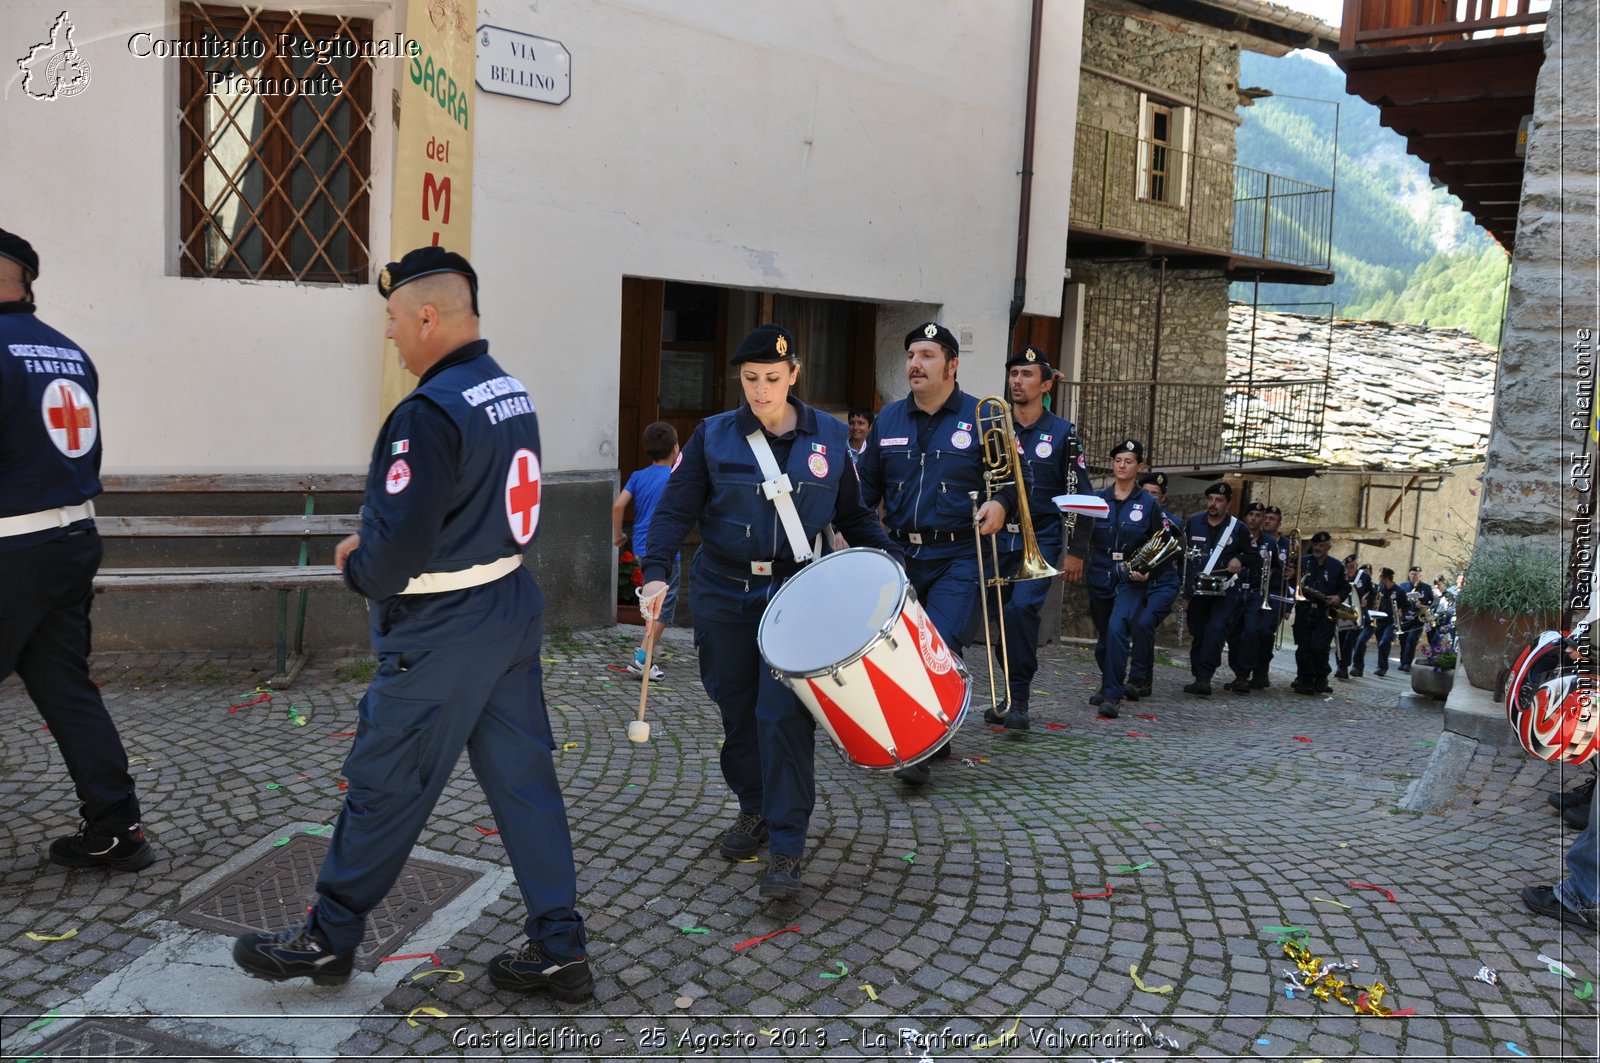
[(998, 438)]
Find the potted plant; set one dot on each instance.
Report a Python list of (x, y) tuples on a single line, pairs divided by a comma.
[(629, 579), (1512, 592), (1434, 672)]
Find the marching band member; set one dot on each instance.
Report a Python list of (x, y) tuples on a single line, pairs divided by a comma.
[(1158, 598), (1052, 459), (1271, 619), (1321, 585), (1416, 601), (756, 529), (1244, 642), (1215, 541), (1385, 600), (1117, 594), (923, 459)]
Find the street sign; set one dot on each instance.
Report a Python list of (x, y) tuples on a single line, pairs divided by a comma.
[(524, 66)]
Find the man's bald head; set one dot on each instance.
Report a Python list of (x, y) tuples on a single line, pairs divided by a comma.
[(447, 293), (430, 317)]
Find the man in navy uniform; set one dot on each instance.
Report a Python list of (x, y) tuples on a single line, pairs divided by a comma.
[(1244, 640), (1214, 547), (1159, 595), (1322, 584), (923, 458), (1267, 631), (1415, 596), (1052, 459), (49, 553), (452, 501)]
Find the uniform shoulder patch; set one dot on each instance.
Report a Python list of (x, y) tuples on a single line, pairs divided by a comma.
[(398, 478)]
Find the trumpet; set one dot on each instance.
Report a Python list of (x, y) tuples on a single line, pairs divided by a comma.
[(1266, 576), (1001, 464)]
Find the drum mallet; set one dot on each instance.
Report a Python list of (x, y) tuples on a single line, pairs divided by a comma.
[(639, 730)]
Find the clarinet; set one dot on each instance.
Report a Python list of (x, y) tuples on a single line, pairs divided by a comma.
[(1073, 448)]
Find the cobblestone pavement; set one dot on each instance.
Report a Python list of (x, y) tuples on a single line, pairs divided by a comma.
[(951, 911)]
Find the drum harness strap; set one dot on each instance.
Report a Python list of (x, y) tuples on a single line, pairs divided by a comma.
[(777, 489), (1222, 541)]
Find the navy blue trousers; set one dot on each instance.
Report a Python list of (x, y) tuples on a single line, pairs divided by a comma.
[(1211, 619), (1313, 636), (1157, 607), (1114, 620), (1023, 602), (768, 737), (44, 638), (421, 710), (1266, 638), (1408, 645), (948, 590), (1254, 629)]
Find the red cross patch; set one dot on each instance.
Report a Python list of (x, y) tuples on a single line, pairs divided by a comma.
[(398, 478), (522, 495), (69, 417)]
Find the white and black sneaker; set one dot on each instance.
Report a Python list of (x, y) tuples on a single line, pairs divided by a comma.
[(93, 846), (636, 667), (532, 971), (281, 955)]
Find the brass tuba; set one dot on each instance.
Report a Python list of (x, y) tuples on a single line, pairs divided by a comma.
[(998, 439), (1156, 551)]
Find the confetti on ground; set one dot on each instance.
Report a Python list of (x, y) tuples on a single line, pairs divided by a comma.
[(1424, 744), (747, 942), (1370, 886), (1556, 966), (485, 832), (1301, 738), (280, 843), (1288, 992), (1055, 727), (1136, 867), (1092, 896), (451, 975), (138, 760), (910, 858), (53, 937), (343, 785), (1133, 972), (1144, 716), (272, 786), (843, 970), (1586, 992), (434, 956), (344, 734), (694, 930), (261, 700), (1512, 1045), (295, 717), (872, 994), (1263, 1041), (1007, 1038), (748, 860), (1137, 734), (43, 1021), (325, 828), (1324, 985), (435, 1012), (615, 668), (571, 745), (1487, 975), (1325, 900)]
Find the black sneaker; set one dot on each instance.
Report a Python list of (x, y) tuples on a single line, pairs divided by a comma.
[(1142, 689), (281, 955), (1097, 697), (532, 971), (1260, 682), (1199, 686), (1130, 693), (123, 850), (1323, 687), (1110, 710), (1356, 673), (745, 837), (1016, 719), (916, 775), (1543, 900), (1381, 672), (782, 880), (1578, 795), (1239, 686), (1341, 674)]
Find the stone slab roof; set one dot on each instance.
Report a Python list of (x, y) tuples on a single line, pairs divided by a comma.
[(1399, 396)]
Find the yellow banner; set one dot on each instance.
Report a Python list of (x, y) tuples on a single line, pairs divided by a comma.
[(433, 149)]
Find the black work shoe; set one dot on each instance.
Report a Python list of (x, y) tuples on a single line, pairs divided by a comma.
[(942, 753), (1130, 693), (1260, 682), (1578, 795), (1199, 686), (1239, 686), (281, 955), (782, 880), (123, 850), (1110, 710), (1323, 688), (1097, 697), (1017, 719), (1341, 674), (1356, 673), (1543, 900), (1576, 816), (532, 971), (990, 717), (1381, 672), (745, 837), (916, 775), (1141, 689)]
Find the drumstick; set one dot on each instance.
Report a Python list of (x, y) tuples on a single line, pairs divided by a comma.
[(639, 730)]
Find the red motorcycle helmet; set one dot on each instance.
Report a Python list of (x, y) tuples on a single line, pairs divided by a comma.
[(1550, 702)]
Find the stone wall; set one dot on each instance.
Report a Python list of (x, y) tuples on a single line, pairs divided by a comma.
[(1544, 377)]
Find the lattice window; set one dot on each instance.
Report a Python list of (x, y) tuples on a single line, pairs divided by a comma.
[(275, 184)]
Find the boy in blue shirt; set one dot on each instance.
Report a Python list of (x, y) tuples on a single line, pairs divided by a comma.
[(644, 491)]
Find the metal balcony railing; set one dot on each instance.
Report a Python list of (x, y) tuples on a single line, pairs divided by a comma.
[(1376, 23), (1122, 184), (1198, 424)]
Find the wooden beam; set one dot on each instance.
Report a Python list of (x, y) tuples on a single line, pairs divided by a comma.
[(1432, 118), (1401, 497), (1505, 77)]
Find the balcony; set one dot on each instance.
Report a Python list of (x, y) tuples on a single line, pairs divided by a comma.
[(1456, 79), (1198, 212), (1201, 429)]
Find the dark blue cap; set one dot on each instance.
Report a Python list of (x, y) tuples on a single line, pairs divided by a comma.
[(1157, 478), (1031, 355), (424, 262), (766, 343), (1129, 446), (19, 251), (1220, 488), (934, 332)]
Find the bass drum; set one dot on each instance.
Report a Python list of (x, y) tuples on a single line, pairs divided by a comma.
[(847, 635)]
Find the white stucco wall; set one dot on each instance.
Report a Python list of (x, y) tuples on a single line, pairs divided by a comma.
[(862, 150)]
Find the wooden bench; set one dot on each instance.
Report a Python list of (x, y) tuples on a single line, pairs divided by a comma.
[(301, 575)]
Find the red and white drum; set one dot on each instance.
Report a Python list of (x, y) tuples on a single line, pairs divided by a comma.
[(847, 635)]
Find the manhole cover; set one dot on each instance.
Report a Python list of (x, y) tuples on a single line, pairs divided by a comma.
[(109, 1039), (1334, 756), (273, 893)]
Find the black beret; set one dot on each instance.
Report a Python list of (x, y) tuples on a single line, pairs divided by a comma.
[(1220, 488), (937, 333), (1274, 511), (1129, 446), (1157, 478), (1031, 355), (1322, 537), (766, 343), (1349, 559), (1255, 507), (19, 251), (424, 262)]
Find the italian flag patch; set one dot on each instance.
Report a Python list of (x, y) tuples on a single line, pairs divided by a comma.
[(400, 446)]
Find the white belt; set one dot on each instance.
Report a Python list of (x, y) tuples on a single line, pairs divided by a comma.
[(476, 576), (45, 519)]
